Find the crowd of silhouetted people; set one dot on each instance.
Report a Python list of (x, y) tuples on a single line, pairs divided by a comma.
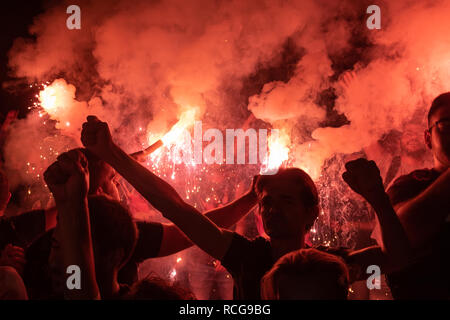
[(88, 246)]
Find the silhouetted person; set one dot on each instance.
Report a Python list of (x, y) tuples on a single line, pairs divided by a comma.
[(422, 202), (95, 233)]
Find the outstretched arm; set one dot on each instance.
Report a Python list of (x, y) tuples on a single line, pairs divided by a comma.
[(364, 178), (201, 230), (68, 181), (174, 240)]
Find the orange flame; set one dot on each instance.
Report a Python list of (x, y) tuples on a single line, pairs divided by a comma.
[(58, 101), (278, 144), (186, 120), (54, 98)]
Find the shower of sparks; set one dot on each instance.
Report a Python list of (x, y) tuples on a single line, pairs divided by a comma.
[(46, 104)]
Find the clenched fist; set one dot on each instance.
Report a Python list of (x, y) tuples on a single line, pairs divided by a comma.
[(96, 137), (68, 177), (363, 176)]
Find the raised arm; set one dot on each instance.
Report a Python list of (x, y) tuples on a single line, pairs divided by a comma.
[(364, 178), (202, 231), (174, 240), (68, 180)]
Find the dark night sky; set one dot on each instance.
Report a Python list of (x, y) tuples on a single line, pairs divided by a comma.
[(16, 17)]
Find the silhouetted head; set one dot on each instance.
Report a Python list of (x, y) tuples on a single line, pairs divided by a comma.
[(288, 202), (114, 236), (306, 274), (156, 288), (437, 136), (410, 142)]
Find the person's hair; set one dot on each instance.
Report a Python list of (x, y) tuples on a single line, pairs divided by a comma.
[(155, 288), (112, 228), (308, 191), (306, 261), (443, 100)]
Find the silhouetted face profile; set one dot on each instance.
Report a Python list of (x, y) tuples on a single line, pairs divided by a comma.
[(438, 135), (103, 180), (102, 177)]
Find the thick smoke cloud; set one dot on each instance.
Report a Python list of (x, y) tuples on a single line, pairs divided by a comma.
[(153, 58), (138, 64), (149, 60), (409, 66)]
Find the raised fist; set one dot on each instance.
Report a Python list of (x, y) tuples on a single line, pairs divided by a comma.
[(96, 136), (68, 177), (363, 176)]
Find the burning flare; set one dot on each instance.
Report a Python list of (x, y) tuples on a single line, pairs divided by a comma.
[(278, 144), (54, 98), (186, 120), (58, 101)]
